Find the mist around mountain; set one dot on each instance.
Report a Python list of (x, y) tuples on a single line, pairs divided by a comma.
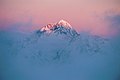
[(58, 52)]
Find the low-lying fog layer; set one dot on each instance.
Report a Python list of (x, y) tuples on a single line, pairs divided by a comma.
[(86, 57)]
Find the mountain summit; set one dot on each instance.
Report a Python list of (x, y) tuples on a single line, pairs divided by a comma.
[(64, 23), (60, 28), (61, 23)]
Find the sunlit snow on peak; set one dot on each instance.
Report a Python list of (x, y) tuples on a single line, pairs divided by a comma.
[(64, 23)]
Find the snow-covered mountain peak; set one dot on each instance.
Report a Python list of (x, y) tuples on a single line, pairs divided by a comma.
[(61, 27), (52, 26), (64, 23)]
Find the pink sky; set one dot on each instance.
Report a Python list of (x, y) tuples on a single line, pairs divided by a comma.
[(82, 14)]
